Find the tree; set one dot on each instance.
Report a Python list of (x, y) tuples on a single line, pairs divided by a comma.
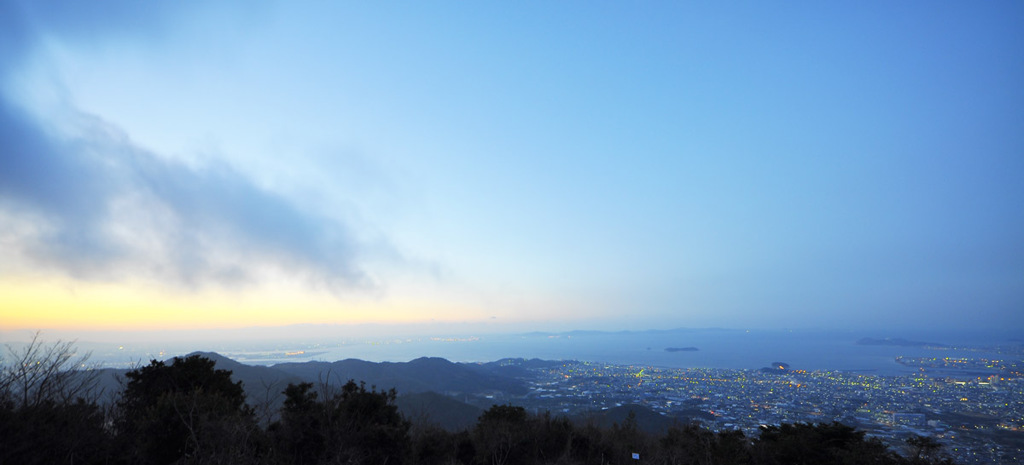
[(354, 425), (433, 445), (553, 438), (688, 444), (627, 438), (301, 432), (375, 430), (186, 411), (695, 444), (823, 443), (501, 435), (48, 409), (925, 450), (41, 372)]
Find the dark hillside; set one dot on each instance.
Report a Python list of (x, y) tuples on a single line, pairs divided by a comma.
[(419, 375), (431, 408), (260, 382), (255, 378), (263, 385), (646, 419), (513, 367)]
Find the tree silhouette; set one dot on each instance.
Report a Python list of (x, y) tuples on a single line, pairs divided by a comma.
[(355, 425), (925, 450), (501, 435), (48, 409), (824, 443), (43, 373), (187, 410)]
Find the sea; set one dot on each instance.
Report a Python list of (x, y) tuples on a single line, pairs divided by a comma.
[(693, 348)]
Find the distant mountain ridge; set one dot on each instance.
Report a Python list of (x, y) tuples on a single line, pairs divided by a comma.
[(425, 374), (430, 390)]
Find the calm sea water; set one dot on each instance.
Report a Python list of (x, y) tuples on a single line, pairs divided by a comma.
[(738, 349), (716, 349)]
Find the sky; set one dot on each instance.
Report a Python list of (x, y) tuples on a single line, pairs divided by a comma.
[(511, 166)]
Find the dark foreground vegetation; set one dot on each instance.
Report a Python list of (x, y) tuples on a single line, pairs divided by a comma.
[(189, 412)]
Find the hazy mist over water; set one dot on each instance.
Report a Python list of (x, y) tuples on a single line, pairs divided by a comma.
[(716, 348)]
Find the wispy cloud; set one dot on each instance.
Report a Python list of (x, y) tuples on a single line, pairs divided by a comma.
[(106, 207), (92, 203)]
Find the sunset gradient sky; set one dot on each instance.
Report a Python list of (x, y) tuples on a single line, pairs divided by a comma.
[(511, 165)]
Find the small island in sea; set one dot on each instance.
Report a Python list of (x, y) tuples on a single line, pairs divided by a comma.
[(899, 342), (681, 349)]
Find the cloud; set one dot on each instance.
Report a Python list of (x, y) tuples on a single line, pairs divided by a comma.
[(81, 197), (107, 208)]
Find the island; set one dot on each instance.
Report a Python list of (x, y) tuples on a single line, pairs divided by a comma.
[(899, 342), (681, 349)]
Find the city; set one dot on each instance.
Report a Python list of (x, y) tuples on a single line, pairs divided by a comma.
[(977, 419)]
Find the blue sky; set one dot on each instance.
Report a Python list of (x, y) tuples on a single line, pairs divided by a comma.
[(533, 165)]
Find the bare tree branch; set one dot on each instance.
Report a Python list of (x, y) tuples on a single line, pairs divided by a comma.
[(42, 372)]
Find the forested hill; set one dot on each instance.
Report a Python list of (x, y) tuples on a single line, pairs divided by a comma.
[(425, 374), (193, 410)]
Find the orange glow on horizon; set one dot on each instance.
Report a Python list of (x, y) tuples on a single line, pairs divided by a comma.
[(71, 305)]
